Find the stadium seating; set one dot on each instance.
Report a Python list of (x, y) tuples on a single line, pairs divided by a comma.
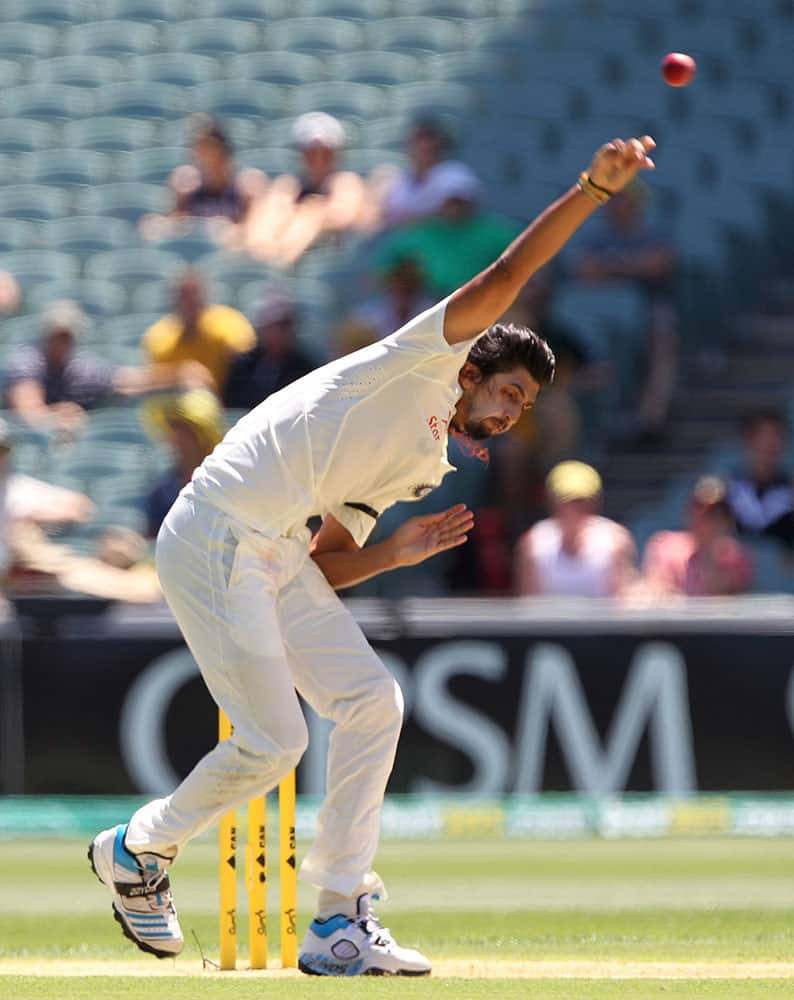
[(234, 269), (189, 70), (156, 295), (342, 99), (11, 72), (127, 330), (20, 330), (76, 71), (20, 38), (190, 245), (139, 99), (272, 160), (64, 167), (17, 235), (43, 102), (32, 267), (110, 134), (85, 234), (377, 67), (313, 34), (350, 9), (98, 298), (113, 37), (212, 36), (238, 98), (152, 166), (34, 202), (130, 266), (243, 10), (416, 34), (275, 67), (124, 199), (148, 10)]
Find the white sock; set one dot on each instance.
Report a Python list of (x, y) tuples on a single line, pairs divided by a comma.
[(330, 903)]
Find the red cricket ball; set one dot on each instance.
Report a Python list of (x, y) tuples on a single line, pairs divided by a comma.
[(678, 69)]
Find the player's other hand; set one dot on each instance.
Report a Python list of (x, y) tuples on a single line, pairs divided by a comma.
[(617, 163), (426, 535)]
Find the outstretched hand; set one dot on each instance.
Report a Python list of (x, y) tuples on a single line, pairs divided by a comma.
[(426, 535), (617, 163)]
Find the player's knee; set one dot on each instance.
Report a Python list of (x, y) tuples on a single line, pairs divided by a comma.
[(286, 740), (384, 707)]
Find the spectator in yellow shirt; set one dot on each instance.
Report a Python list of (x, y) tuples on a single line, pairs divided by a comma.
[(208, 334)]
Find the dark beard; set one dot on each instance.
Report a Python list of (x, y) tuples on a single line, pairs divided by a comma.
[(477, 431)]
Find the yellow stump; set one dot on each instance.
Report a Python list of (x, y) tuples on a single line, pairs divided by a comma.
[(228, 873), (256, 882), (288, 872)]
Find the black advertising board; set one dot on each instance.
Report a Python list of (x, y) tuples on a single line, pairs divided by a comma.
[(500, 697)]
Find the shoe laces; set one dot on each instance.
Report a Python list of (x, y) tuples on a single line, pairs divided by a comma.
[(163, 899), (369, 923), (156, 880)]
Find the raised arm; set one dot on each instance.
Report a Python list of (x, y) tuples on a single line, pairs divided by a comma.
[(481, 301)]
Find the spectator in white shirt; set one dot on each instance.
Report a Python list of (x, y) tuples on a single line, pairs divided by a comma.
[(419, 190), (576, 552)]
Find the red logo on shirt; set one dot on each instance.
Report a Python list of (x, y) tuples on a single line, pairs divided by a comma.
[(434, 428)]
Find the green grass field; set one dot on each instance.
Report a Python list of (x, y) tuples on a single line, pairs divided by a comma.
[(583, 919)]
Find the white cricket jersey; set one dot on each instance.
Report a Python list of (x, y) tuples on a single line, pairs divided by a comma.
[(350, 439)]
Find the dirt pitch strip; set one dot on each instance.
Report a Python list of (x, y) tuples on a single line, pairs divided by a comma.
[(444, 969)]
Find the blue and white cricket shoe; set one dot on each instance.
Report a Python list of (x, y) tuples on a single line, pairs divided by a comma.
[(357, 946), (142, 900)]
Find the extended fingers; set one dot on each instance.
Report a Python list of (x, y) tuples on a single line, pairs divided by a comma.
[(456, 519), (637, 151), (454, 529), (630, 152)]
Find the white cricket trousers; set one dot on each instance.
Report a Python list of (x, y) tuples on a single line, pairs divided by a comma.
[(261, 620)]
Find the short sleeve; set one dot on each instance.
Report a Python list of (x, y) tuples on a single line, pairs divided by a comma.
[(24, 365), (357, 518), (234, 328), (154, 338), (424, 335)]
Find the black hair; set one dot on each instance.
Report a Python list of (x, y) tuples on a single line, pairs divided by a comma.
[(767, 415), (430, 125), (505, 346), (204, 126)]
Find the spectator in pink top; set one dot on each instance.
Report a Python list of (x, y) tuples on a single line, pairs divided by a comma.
[(705, 560)]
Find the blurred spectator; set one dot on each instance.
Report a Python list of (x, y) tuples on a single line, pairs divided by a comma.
[(10, 293), (628, 249), (51, 384), (760, 489), (403, 296), (706, 559), (557, 427), (25, 499), (120, 569), (575, 552), (417, 191), (295, 212), (456, 243), (210, 335), (211, 188), (273, 362), (192, 423)]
